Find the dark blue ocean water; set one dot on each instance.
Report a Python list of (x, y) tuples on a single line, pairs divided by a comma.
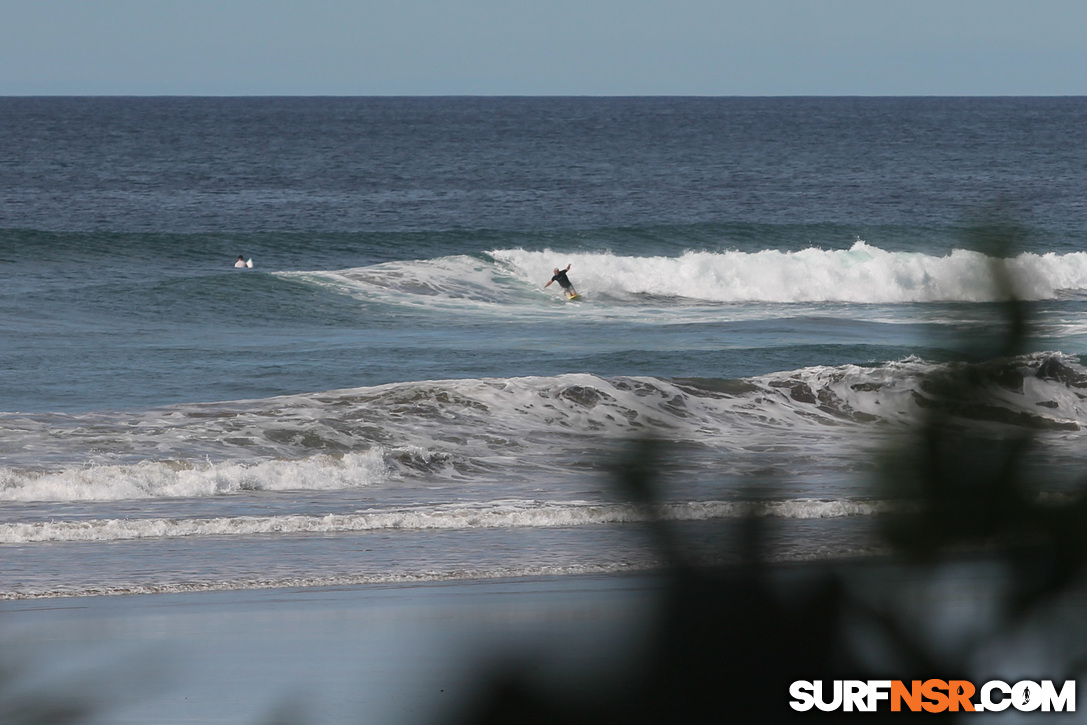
[(763, 280)]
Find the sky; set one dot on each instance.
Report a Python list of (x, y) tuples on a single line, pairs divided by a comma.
[(543, 47)]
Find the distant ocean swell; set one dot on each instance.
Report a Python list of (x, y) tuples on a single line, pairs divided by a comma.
[(861, 274), (459, 430)]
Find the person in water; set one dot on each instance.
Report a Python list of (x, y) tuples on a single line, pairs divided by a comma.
[(563, 280), (240, 262)]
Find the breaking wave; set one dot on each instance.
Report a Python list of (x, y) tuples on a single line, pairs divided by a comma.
[(862, 274), (459, 431)]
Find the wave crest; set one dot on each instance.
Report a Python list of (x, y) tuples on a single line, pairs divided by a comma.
[(860, 274)]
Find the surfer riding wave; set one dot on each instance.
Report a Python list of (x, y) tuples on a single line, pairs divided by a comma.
[(564, 281)]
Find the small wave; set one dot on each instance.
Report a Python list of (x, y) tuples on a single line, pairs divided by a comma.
[(494, 515), (148, 479), (637, 563), (462, 279)]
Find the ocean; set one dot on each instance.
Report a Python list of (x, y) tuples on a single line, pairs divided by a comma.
[(390, 394)]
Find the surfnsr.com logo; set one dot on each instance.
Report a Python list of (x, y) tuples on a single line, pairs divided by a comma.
[(932, 696)]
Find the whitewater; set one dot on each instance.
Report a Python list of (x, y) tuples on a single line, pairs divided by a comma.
[(862, 274)]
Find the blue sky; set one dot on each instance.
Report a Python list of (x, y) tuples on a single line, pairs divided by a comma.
[(543, 47)]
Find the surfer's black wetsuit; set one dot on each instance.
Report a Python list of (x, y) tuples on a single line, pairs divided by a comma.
[(563, 280)]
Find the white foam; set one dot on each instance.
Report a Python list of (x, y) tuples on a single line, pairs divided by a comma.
[(500, 514), (860, 274), (155, 479)]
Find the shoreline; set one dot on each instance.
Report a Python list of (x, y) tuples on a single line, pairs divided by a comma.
[(389, 652), (331, 582)]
